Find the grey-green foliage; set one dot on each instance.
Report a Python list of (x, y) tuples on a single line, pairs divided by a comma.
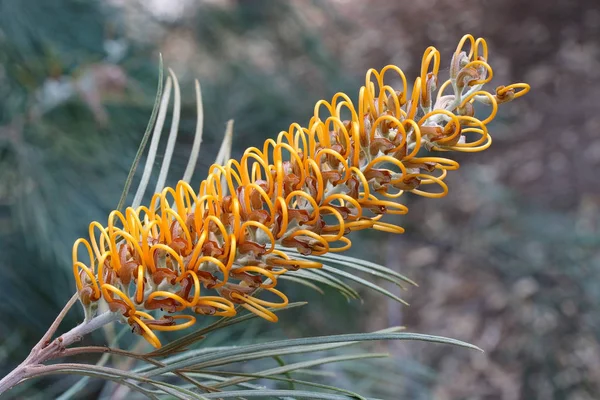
[(294, 367), (63, 159), (63, 150)]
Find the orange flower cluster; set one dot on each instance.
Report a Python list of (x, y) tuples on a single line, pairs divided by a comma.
[(307, 190)]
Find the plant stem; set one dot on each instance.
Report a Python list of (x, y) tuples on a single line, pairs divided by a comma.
[(48, 335), (46, 350)]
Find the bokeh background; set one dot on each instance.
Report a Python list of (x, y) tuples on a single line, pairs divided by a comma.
[(509, 260)]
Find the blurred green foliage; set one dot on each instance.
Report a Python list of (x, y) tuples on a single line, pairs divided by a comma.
[(77, 84), (508, 261)]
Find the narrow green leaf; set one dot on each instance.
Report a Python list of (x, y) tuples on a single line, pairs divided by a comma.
[(338, 258), (79, 385), (266, 393), (191, 338), (215, 379), (317, 275), (261, 354), (255, 355), (281, 363), (363, 282), (335, 279), (282, 344), (172, 139), (145, 138), (285, 369), (388, 277), (191, 165), (181, 390), (153, 150), (105, 373), (301, 382), (301, 281), (225, 150), (107, 351)]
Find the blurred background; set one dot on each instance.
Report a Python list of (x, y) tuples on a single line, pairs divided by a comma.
[(509, 260)]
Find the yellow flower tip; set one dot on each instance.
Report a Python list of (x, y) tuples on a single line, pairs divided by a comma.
[(141, 328), (307, 190)]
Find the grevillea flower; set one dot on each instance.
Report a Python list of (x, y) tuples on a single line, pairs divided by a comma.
[(209, 250)]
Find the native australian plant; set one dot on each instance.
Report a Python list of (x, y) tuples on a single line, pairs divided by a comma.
[(283, 212)]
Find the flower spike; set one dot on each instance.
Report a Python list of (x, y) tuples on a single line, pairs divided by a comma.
[(209, 250)]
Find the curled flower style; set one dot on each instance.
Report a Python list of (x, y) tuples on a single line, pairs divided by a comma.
[(307, 189)]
